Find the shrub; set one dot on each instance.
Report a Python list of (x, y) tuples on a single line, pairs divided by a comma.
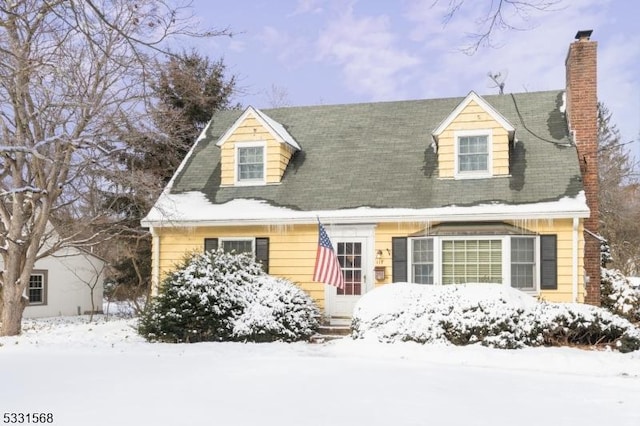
[(489, 314), (618, 295), (560, 324), (219, 296), (280, 311)]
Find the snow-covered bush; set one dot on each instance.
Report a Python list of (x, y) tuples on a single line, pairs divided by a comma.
[(619, 295), (217, 296), (490, 314), (279, 311)]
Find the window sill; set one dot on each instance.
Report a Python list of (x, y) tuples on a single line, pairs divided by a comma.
[(465, 176), (250, 183)]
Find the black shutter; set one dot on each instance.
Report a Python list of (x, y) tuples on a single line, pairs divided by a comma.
[(210, 244), (399, 259), (549, 262), (262, 253)]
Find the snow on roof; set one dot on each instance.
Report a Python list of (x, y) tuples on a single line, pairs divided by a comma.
[(193, 208)]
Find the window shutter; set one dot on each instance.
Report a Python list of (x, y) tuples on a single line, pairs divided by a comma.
[(262, 253), (399, 259), (210, 244), (549, 262)]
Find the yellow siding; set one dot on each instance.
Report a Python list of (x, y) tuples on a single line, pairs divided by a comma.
[(250, 130), (562, 227), (473, 117), (292, 251)]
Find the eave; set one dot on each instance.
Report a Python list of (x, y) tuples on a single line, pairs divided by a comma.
[(253, 212)]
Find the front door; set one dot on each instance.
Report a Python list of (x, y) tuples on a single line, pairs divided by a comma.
[(354, 255)]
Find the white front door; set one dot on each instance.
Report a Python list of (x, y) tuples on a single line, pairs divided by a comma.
[(354, 250)]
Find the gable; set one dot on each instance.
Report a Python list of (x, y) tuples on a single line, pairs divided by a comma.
[(257, 132), (472, 118)]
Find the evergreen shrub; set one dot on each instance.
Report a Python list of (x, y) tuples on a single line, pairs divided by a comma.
[(218, 296)]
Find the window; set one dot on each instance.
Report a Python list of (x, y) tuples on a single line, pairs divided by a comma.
[(472, 154), (523, 263), (422, 261), (37, 290), (471, 261), (250, 163), (350, 259), (452, 259), (237, 246), (259, 247)]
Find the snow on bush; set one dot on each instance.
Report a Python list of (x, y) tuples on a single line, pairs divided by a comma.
[(619, 295), (217, 296), (279, 311), (491, 314)]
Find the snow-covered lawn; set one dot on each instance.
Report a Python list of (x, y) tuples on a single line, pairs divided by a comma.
[(105, 374)]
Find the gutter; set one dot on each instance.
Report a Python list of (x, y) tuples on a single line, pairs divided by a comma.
[(329, 218), (574, 263), (155, 261)]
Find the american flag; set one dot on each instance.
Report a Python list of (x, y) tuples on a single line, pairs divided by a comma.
[(327, 269)]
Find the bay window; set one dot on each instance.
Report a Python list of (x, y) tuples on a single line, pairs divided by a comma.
[(498, 259)]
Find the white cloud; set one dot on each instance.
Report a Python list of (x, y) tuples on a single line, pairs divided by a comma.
[(308, 6), (368, 51), (237, 46), (289, 49)]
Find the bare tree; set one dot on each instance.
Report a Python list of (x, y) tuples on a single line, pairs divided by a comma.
[(501, 15), (278, 96), (619, 196), (91, 275), (72, 74)]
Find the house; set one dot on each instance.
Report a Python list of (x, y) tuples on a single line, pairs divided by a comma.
[(65, 284), (498, 189)]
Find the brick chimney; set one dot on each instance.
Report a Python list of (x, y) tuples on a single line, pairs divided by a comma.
[(582, 111)]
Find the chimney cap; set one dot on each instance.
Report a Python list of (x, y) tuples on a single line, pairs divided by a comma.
[(583, 34)]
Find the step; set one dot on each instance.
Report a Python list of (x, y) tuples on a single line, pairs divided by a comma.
[(334, 330)]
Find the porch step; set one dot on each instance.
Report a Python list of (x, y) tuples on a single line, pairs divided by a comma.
[(330, 332), (334, 330)]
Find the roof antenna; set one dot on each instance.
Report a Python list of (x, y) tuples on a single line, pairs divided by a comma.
[(498, 79)]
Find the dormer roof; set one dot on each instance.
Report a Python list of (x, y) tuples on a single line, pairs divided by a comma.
[(480, 101), (276, 129)]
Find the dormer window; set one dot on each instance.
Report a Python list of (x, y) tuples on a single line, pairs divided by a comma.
[(473, 154), (250, 161), (255, 150), (472, 142)]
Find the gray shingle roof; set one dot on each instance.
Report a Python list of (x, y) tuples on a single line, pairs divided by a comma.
[(380, 155)]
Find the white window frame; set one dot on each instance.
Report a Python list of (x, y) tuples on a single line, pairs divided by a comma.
[(236, 169), (536, 263), (476, 174), (45, 277), (506, 257), (222, 240), (433, 259)]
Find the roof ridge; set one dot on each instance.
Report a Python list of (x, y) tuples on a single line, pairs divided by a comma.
[(402, 101)]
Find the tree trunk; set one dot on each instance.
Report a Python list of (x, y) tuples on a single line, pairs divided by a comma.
[(12, 308)]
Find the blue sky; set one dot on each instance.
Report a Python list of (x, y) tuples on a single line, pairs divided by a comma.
[(307, 52)]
